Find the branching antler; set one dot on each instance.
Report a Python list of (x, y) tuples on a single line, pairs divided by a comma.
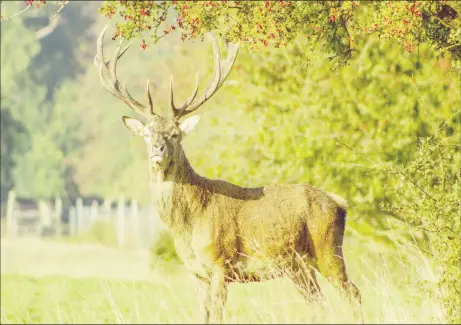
[(112, 84), (218, 80), (108, 76)]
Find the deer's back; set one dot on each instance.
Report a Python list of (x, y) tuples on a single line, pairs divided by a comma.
[(286, 217)]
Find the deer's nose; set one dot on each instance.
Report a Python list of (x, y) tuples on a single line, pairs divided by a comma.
[(158, 150)]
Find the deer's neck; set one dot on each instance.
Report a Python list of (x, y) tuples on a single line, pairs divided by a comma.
[(173, 197)]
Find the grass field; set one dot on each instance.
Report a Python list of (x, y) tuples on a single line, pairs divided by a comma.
[(55, 282)]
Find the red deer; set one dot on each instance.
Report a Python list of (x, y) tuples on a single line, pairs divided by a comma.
[(222, 232)]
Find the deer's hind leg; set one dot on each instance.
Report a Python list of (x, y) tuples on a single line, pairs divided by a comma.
[(330, 260), (331, 265), (303, 276), (306, 283)]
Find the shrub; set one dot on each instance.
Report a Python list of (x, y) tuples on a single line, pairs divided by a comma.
[(100, 232), (426, 197), (163, 248)]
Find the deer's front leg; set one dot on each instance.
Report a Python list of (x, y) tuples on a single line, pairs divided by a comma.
[(212, 296), (218, 295), (204, 298)]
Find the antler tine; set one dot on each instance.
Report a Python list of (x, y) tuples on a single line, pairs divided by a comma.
[(112, 84), (177, 110), (99, 48), (229, 62), (116, 92), (149, 98), (218, 79), (113, 63), (217, 66), (173, 107)]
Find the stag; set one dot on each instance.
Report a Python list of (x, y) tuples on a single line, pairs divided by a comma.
[(222, 232)]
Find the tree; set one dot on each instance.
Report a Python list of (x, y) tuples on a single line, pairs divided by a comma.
[(11, 142), (32, 69), (14, 117), (336, 24), (40, 172)]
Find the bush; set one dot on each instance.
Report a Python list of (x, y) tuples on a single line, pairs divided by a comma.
[(100, 232), (163, 248), (426, 197)]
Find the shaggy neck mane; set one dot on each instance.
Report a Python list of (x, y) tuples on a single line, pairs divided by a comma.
[(179, 172), (180, 194)]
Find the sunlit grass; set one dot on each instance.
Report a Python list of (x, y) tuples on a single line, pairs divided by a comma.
[(116, 293)]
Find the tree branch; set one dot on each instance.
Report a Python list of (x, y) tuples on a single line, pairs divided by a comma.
[(18, 13), (48, 29), (62, 5), (397, 171)]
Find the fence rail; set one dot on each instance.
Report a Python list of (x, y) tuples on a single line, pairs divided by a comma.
[(133, 225)]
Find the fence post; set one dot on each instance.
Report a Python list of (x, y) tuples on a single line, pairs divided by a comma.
[(72, 221), (79, 215), (121, 221), (46, 217), (94, 211), (135, 222), (58, 215), (10, 220), (107, 208)]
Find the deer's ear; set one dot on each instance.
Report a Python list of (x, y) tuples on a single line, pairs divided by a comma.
[(189, 124), (133, 125)]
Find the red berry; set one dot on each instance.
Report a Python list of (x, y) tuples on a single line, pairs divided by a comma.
[(144, 12)]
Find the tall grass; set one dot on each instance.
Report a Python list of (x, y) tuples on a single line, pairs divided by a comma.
[(76, 283)]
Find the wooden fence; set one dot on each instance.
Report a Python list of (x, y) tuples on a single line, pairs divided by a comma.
[(133, 225)]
